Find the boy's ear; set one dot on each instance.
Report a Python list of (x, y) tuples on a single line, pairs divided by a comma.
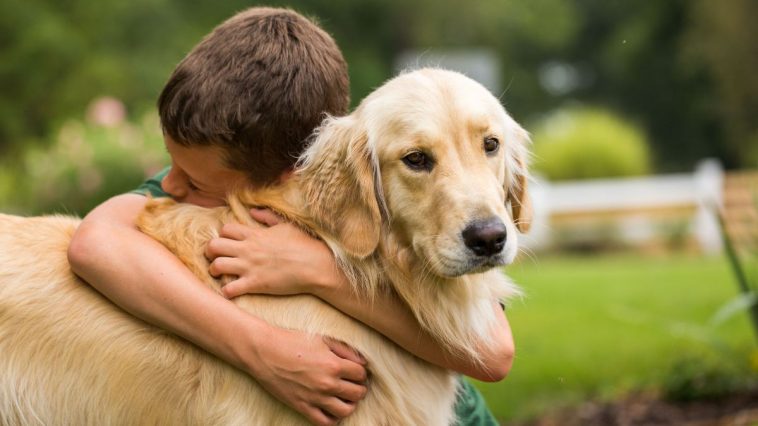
[(339, 174), (517, 188)]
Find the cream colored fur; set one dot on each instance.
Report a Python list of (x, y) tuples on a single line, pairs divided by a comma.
[(68, 356)]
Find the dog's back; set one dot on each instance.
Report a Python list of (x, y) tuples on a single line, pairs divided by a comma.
[(68, 356)]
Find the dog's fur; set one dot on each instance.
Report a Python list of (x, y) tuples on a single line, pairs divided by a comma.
[(67, 356)]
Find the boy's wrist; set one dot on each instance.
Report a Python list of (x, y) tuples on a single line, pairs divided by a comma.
[(332, 289), (326, 284), (244, 346)]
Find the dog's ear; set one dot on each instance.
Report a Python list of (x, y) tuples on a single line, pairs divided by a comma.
[(339, 173), (517, 186)]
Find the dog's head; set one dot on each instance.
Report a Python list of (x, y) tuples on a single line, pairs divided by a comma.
[(434, 158)]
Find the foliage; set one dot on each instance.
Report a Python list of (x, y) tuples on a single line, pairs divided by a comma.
[(683, 69), (721, 39), (703, 375), (582, 143), (58, 56), (85, 164), (743, 262)]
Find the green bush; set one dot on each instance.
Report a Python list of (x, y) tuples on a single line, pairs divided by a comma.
[(585, 143), (705, 376), (86, 164)]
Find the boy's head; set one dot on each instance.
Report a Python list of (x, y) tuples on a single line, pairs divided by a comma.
[(255, 88)]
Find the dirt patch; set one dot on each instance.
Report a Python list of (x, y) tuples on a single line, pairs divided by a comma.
[(644, 409)]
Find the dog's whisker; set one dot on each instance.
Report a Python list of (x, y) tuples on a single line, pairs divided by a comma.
[(530, 255)]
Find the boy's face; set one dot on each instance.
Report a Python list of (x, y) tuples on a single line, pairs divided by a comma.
[(199, 175)]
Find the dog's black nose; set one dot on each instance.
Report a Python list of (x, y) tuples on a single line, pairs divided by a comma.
[(485, 237)]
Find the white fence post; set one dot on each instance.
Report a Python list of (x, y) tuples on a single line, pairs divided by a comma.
[(539, 234), (709, 182)]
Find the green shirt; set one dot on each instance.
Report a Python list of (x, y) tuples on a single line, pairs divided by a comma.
[(152, 186), (470, 408)]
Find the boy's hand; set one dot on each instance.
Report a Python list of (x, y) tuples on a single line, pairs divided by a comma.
[(321, 378), (280, 259)]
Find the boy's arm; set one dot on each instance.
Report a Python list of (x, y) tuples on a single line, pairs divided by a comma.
[(391, 317), (145, 279), (282, 259)]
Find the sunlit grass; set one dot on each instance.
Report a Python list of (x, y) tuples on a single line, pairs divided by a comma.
[(601, 325)]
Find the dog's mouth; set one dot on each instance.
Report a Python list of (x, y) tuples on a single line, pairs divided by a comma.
[(485, 264), (453, 267)]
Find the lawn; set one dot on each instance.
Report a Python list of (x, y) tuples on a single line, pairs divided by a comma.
[(597, 326)]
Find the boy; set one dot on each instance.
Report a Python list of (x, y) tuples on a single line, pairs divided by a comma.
[(237, 111)]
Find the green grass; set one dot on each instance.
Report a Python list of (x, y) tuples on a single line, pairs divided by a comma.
[(599, 326)]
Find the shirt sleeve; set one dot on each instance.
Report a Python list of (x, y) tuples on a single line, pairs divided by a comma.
[(470, 407), (152, 186)]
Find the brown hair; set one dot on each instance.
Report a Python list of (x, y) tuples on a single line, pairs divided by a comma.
[(257, 86)]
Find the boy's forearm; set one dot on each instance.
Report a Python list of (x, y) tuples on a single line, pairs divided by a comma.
[(145, 279), (391, 317)]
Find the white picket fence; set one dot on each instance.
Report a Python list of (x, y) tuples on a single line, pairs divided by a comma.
[(634, 207)]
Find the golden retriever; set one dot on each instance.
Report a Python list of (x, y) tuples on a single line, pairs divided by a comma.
[(419, 191)]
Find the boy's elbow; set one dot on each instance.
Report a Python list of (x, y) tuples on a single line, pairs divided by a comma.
[(99, 229), (82, 248), (498, 364)]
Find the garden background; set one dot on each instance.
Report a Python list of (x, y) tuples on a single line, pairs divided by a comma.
[(608, 89)]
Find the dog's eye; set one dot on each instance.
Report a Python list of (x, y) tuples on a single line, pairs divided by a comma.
[(417, 160), (491, 144)]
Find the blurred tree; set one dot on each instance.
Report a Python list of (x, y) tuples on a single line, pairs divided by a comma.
[(625, 54), (665, 64), (722, 39), (55, 56), (685, 70)]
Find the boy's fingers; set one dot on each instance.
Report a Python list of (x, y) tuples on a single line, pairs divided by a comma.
[(221, 247), (351, 392), (231, 290), (342, 350), (353, 372), (225, 266), (234, 231), (237, 288), (320, 418), (265, 217), (338, 408)]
